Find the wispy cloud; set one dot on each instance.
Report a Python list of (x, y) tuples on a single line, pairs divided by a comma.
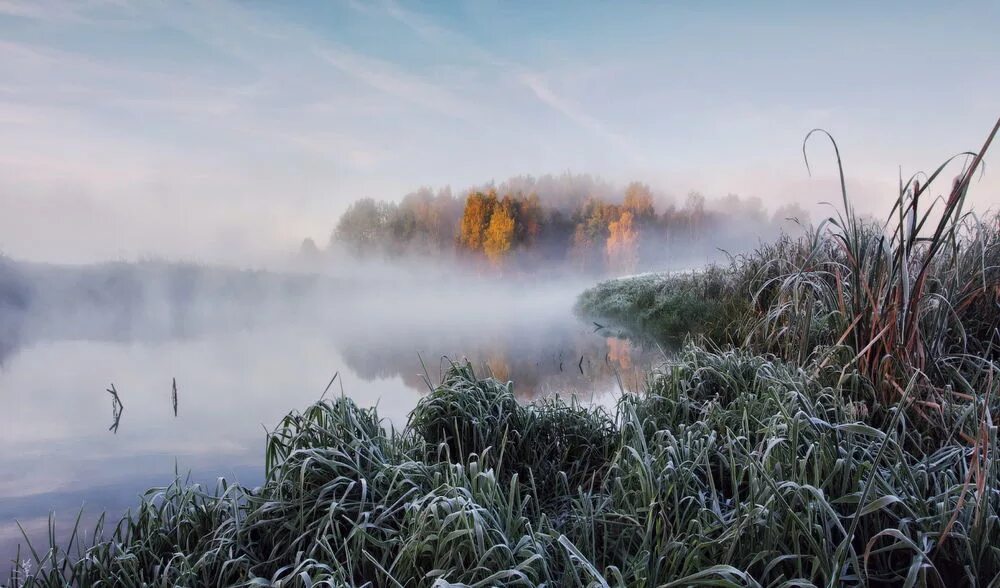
[(80, 12), (427, 29), (37, 9), (534, 81), (543, 91), (392, 80)]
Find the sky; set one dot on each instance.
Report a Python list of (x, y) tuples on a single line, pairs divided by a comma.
[(227, 131)]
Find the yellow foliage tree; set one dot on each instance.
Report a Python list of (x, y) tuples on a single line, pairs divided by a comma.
[(475, 220), (500, 233), (622, 246)]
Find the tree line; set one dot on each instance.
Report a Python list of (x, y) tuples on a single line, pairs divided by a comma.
[(577, 221)]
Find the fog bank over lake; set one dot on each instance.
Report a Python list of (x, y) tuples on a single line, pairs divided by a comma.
[(245, 348)]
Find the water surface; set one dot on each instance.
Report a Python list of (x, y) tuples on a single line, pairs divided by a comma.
[(238, 377)]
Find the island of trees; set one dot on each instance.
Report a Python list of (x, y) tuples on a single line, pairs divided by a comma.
[(575, 221)]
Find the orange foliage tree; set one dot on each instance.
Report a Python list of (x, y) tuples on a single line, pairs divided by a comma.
[(500, 232), (476, 219), (622, 246)]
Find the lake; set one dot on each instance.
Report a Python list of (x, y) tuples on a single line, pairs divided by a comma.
[(238, 376)]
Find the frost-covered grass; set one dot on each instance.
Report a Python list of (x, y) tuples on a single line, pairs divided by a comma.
[(729, 469), (667, 306)]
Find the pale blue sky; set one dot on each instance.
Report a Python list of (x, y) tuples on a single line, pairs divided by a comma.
[(219, 130)]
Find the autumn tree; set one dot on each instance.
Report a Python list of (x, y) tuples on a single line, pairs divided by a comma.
[(500, 233), (530, 217), (622, 246), (591, 232), (476, 219)]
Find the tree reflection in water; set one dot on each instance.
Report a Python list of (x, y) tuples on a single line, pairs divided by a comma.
[(561, 359)]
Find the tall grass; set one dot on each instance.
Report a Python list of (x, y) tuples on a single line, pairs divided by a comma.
[(729, 469), (915, 298), (903, 292)]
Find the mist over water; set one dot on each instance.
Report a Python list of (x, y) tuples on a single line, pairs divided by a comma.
[(398, 291), (245, 348)]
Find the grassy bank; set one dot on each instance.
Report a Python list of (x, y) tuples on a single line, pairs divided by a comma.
[(666, 307), (915, 296), (730, 469)]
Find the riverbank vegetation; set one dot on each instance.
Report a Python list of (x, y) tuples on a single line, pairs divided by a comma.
[(834, 425), (915, 298), (730, 469)]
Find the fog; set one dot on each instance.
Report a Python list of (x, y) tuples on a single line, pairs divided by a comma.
[(381, 304), (245, 347)]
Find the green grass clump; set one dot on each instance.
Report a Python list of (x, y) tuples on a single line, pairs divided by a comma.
[(719, 302), (729, 468), (667, 307), (552, 446)]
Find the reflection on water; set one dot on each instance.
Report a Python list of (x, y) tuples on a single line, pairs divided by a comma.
[(556, 359), (58, 455)]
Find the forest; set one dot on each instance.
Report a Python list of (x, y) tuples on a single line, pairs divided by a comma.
[(573, 222)]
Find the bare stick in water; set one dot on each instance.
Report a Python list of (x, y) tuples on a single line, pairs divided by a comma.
[(174, 396), (116, 409)]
